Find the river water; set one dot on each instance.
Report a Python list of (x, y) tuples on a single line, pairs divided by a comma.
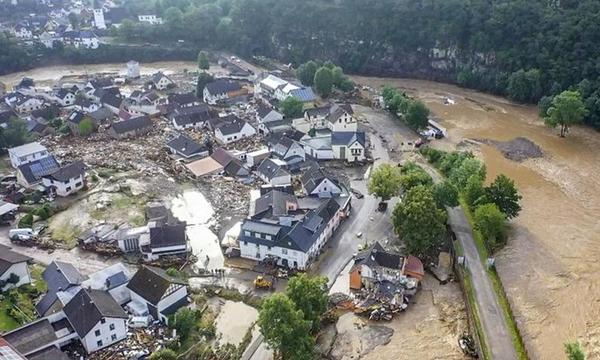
[(550, 267)]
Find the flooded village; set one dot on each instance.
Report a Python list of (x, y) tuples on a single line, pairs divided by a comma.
[(544, 248), (173, 199)]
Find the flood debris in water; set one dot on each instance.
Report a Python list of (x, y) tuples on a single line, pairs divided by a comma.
[(518, 149)]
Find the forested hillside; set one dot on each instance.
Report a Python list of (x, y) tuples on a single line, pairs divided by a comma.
[(525, 49)]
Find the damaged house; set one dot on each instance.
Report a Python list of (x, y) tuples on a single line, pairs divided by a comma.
[(155, 293)]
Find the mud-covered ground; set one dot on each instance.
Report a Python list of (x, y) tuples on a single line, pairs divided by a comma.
[(549, 268)]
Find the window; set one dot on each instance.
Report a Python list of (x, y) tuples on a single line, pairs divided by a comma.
[(102, 321), (68, 188), (111, 327), (284, 251), (268, 237), (78, 184), (245, 243), (257, 235), (97, 332), (99, 343), (247, 233), (269, 248), (113, 337)]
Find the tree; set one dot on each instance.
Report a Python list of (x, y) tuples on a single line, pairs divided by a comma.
[(163, 354), (184, 321), (323, 81), (385, 182), (309, 295), (203, 63), (337, 75), (306, 72), (15, 133), (291, 107), (573, 351), (285, 329), (468, 167), (474, 192), (567, 109), (414, 175), (204, 78), (491, 223), (504, 194), (419, 222), (86, 126), (445, 194), (417, 115), (525, 86), (74, 20), (26, 221)]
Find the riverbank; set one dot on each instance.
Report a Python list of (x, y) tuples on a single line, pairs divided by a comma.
[(548, 268)]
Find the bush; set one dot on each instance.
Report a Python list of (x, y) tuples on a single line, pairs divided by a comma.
[(164, 354), (44, 211), (26, 221), (491, 223)]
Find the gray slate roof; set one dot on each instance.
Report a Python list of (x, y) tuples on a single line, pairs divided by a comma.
[(151, 283), (186, 146), (88, 307), (138, 123), (271, 170), (347, 138), (8, 258), (68, 172), (222, 86), (168, 235)]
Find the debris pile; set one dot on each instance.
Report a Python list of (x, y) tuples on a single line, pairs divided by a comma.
[(139, 343)]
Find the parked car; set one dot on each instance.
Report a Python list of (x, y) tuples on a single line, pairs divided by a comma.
[(20, 234)]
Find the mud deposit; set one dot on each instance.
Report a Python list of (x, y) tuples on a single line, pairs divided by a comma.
[(518, 149), (550, 267)]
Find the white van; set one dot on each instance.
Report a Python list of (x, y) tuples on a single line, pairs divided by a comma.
[(20, 234)]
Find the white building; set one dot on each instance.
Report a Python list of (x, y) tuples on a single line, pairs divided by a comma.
[(67, 180), (316, 183), (99, 22), (349, 146), (293, 243), (161, 81), (97, 318), (272, 172), (155, 293), (232, 129), (27, 153), (221, 90), (133, 69), (150, 19), (22, 32), (13, 264), (266, 87)]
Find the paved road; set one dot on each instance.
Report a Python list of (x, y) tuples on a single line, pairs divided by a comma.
[(494, 324)]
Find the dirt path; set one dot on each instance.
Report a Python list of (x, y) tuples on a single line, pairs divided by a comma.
[(549, 269)]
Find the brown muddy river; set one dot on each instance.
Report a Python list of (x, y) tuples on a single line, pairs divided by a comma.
[(550, 268)]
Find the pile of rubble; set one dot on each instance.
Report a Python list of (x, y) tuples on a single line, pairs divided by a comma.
[(139, 343)]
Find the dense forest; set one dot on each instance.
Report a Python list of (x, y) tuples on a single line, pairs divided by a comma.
[(524, 49)]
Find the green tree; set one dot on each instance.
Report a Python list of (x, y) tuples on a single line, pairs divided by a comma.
[(15, 133), (203, 63), (74, 20), (309, 295), (525, 86), (204, 78), (419, 222), (414, 175), (491, 223), (468, 167), (417, 115), (504, 194), (184, 321), (385, 182), (285, 329), (474, 192), (574, 351), (306, 72), (86, 126), (566, 109), (163, 354), (445, 194), (337, 75), (388, 93), (323, 81), (26, 221), (291, 107)]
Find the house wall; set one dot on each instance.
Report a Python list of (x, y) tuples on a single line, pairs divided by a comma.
[(295, 150), (301, 124), (21, 271), (355, 152), (326, 186), (29, 105), (168, 250), (326, 154), (65, 188), (171, 299), (246, 131), (212, 99), (163, 83), (18, 161), (259, 252), (345, 123), (90, 340)]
